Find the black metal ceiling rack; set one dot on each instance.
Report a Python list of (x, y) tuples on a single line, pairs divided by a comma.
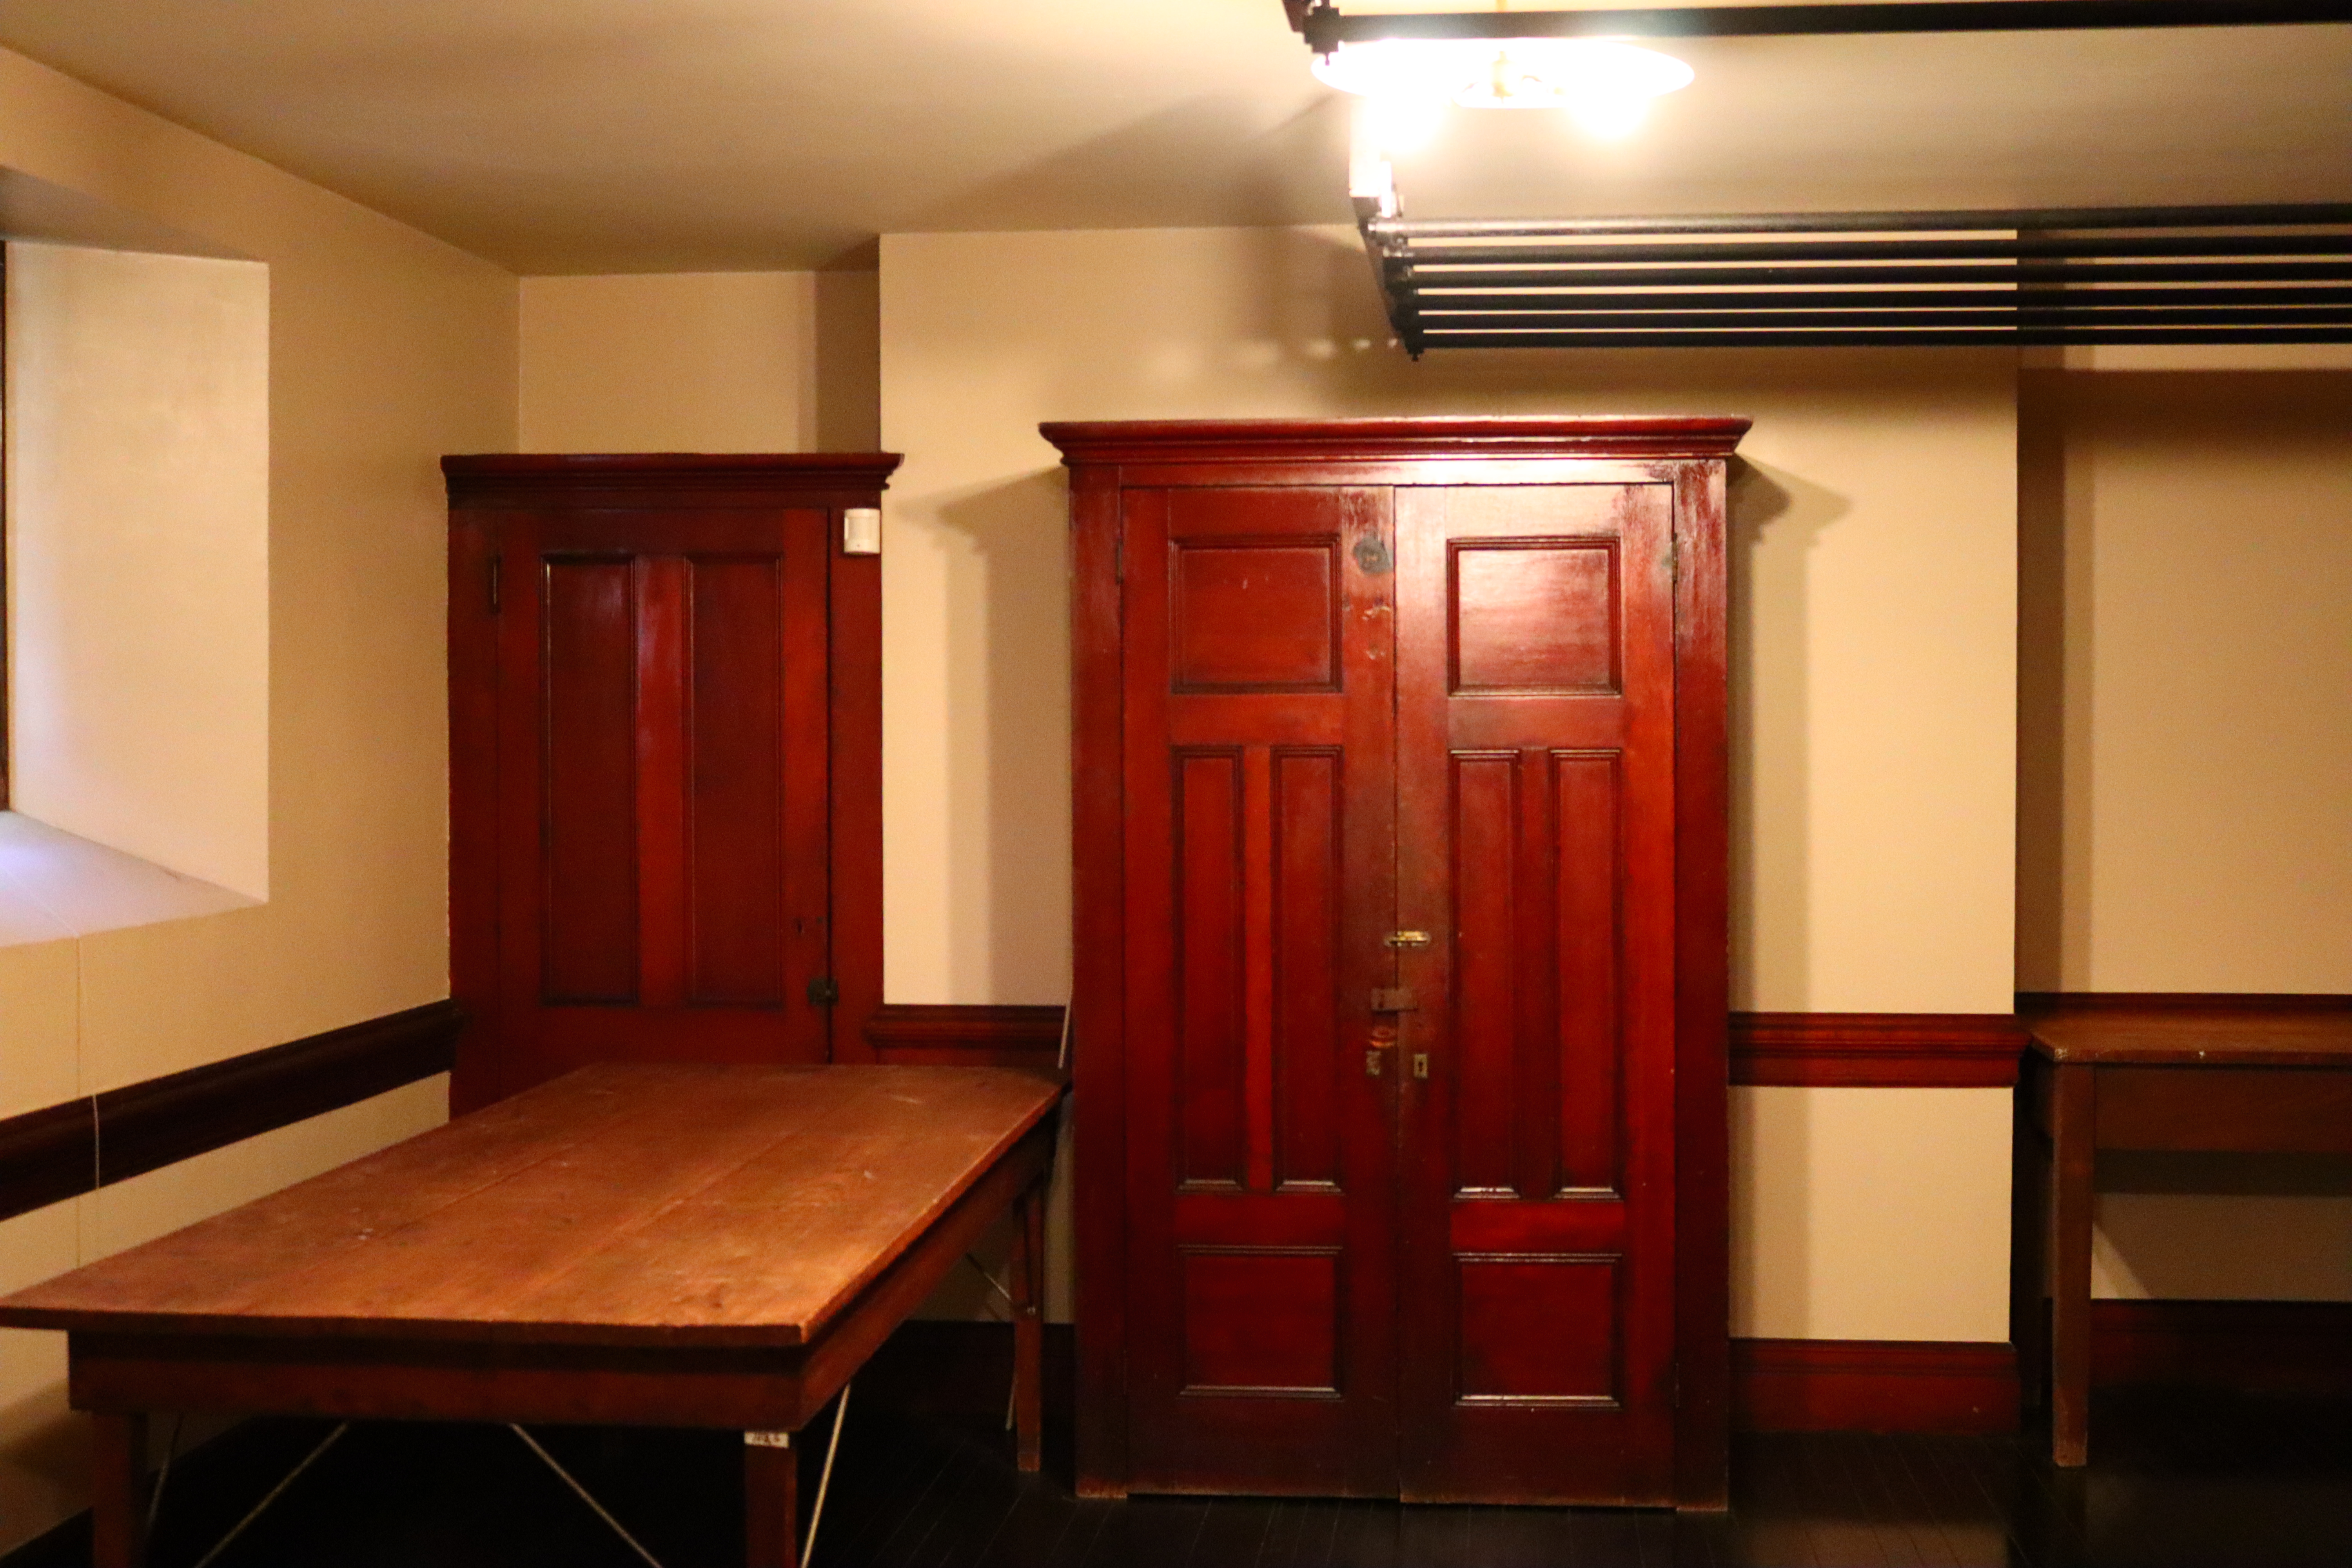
[(2279, 274)]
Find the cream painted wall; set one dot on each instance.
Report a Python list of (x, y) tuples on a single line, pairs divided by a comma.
[(2186, 761), (1870, 1213), (138, 521), (2190, 744), (1875, 677), (698, 362), (386, 349)]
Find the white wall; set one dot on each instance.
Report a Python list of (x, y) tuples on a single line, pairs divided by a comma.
[(1875, 583), (138, 509)]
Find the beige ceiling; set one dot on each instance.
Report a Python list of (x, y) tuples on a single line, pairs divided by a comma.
[(632, 135)]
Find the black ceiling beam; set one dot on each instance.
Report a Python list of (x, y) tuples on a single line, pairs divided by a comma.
[(1579, 321), (2030, 296), (1326, 28), (1988, 250), (1887, 337), (1947, 220), (1405, 267)]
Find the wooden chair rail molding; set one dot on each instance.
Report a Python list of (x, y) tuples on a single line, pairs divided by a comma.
[(63, 1151), (1877, 1050), (1915, 1050), (919, 1034)]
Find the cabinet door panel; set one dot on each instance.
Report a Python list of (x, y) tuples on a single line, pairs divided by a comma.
[(1259, 870), (663, 762), (1535, 841)]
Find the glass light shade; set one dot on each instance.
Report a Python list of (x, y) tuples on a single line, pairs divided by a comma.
[(1508, 73)]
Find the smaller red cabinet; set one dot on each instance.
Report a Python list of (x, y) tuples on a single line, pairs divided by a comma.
[(665, 770)]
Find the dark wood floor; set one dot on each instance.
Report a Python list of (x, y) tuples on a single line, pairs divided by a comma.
[(2181, 1479)]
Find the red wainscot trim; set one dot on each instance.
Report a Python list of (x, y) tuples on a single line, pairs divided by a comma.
[(966, 1035), (1873, 1385), (1877, 1050)]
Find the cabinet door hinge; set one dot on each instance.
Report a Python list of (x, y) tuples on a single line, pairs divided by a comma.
[(495, 575)]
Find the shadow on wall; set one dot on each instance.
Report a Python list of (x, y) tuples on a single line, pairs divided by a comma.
[(2050, 941), (1009, 785), (1775, 520), (1772, 1227)]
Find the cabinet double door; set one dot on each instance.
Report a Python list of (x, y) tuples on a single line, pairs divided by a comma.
[(1398, 883)]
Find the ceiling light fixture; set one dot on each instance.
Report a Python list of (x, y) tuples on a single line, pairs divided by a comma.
[(1604, 83)]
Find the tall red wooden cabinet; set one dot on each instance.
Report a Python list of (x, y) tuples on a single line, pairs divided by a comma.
[(666, 775), (1400, 998)]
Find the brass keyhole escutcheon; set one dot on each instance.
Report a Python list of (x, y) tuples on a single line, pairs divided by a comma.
[(1372, 1063), (1420, 1064), (1372, 555)]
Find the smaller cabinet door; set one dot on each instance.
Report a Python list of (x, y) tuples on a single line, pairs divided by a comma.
[(662, 787), (664, 763)]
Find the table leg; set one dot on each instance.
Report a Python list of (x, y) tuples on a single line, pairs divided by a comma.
[(2029, 1217), (2074, 1111), (117, 1503), (1029, 1326), (770, 1502)]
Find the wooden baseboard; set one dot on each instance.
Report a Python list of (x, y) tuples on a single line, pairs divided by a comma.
[(63, 1151), (1873, 1385), (2253, 1347), (968, 1034), (1877, 1050)]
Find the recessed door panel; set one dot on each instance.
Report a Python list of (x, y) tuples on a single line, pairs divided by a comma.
[(1261, 1321), (1211, 1089), (588, 692), (1537, 1330), (736, 921), (1533, 615), (1303, 968)]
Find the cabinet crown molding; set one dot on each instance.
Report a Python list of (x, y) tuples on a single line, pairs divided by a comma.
[(1497, 436), (495, 476)]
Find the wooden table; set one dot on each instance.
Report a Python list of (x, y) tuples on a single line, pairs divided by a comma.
[(2151, 1077), (666, 1245)]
